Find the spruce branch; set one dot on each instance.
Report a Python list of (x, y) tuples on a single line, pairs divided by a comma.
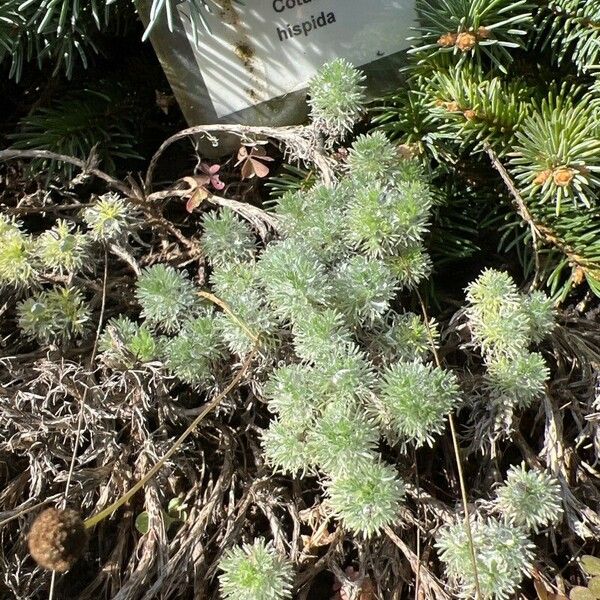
[(475, 29), (556, 156), (541, 230)]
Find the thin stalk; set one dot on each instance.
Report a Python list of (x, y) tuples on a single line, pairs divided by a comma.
[(461, 478)]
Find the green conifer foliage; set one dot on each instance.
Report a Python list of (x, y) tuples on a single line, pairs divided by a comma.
[(473, 90)]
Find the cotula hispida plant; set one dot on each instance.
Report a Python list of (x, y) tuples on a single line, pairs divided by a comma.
[(28, 263), (345, 369)]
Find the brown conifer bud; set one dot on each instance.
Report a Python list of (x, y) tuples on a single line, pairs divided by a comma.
[(578, 275), (57, 539), (483, 33), (542, 177), (451, 106), (447, 40), (470, 114), (466, 41), (563, 176)]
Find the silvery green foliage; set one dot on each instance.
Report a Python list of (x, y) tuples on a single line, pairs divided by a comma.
[(294, 279), (342, 439), (541, 315), (192, 345), (336, 98), (503, 321), (17, 266), (167, 297), (372, 156), (346, 377), (530, 499), (517, 380), (414, 401), (319, 333), (383, 220), (255, 572), (62, 249), (403, 337), (238, 286), (125, 342), (110, 218), (291, 392), (322, 293), (411, 266), (366, 498), (226, 239), (363, 288), (308, 399), (504, 324), (54, 316), (503, 554), (284, 445), (191, 355), (346, 250), (317, 216)]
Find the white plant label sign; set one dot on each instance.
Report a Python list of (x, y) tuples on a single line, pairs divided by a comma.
[(268, 48)]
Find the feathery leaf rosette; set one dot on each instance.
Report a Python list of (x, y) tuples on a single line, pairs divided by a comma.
[(167, 297), (316, 218), (403, 337), (319, 333), (57, 539), (53, 316), (382, 219), (226, 238), (518, 380), (110, 218), (291, 393), (232, 282), (341, 439), (474, 27), (255, 572), (539, 309), (285, 448), (250, 311), (363, 288), (410, 266), (531, 499), (372, 156), (17, 266), (503, 554), (414, 401), (238, 286), (294, 278), (368, 498), (557, 151), (496, 317), (191, 355), (62, 248), (345, 377), (336, 97), (127, 342)]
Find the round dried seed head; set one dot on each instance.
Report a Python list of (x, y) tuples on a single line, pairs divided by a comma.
[(57, 539)]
